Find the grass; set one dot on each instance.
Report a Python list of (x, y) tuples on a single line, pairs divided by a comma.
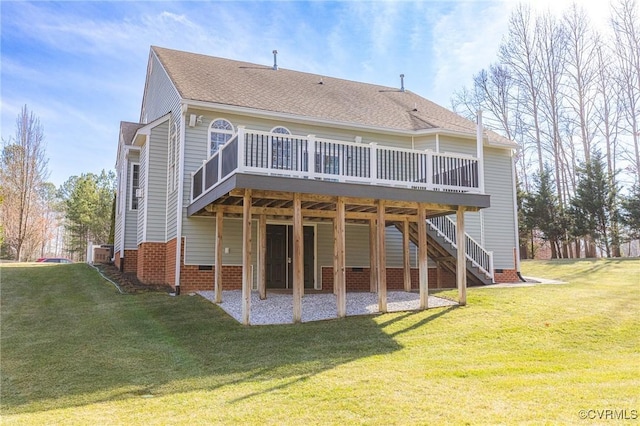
[(75, 351)]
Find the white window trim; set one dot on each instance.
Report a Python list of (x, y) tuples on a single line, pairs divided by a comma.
[(131, 190), (229, 132), (172, 163)]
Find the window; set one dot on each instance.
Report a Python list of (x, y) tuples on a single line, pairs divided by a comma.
[(281, 149), (135, 184), (220, 132), (281, 130), (173, 157)]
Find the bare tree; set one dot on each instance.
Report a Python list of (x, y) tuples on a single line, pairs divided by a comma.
[(625, 21), (23, 171), (518, 52), (581, 73)]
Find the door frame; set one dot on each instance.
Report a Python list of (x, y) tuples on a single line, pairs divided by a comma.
[(316, 284)]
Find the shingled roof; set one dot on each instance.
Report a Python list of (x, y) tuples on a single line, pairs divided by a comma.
[(128, 130), (223, 81)]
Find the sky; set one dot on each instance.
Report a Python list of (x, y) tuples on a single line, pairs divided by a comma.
[(81, 66)]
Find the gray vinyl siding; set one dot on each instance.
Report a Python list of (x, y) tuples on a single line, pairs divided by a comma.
[(161, 98), (499, 222), (200, 233), (298, 129), (160, 95), (357, 246), (156, 189)]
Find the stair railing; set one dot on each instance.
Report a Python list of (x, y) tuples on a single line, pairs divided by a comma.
[(476, 254)]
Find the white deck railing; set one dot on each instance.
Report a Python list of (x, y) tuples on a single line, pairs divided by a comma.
[(479, 257), (309, 157)]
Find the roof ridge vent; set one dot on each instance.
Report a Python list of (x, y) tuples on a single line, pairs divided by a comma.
[(402, 82), (275, 60)]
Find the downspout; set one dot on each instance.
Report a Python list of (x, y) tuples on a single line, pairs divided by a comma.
[(179, 201), (123, 207), (480, 155), (515, 219)]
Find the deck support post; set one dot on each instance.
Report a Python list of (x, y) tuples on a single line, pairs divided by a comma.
[(262, 256), (298, 258), (373, 256), (423, 265), (339, 273), (461, 263), (382, 258), (217, 276), (246, 257), (406, 255)]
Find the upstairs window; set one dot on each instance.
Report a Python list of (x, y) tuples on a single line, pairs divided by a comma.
[(281, 130), (281, 149), (173, 158), (220, 132), (135, 184)]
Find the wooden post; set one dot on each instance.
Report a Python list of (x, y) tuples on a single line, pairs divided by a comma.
[(246, 257), (339, 275), (382, 259), (461, 264), (335, 254), (217, 277), (262, 256), (423, 264), (373, 256), (298, 258), (406, 258)]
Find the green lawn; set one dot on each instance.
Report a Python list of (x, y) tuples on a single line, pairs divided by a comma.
[(75, 351)]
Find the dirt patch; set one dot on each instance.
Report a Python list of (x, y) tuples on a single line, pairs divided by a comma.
[(128, 282)]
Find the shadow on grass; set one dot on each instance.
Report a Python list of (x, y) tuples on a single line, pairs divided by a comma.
[(585, 267), (70, 339)]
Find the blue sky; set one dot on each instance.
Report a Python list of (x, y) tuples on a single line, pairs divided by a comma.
[(80, 66)]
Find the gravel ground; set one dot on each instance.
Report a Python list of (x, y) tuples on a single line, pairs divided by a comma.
[(278, 308)]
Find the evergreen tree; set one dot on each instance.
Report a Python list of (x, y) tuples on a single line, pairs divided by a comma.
[(88, 201), (593, 206), (542, 212), (630, 216)]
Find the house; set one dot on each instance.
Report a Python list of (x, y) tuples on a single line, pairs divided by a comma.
[(245, 176)]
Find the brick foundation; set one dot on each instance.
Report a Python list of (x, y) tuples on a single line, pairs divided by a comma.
[(358, 279), (506, 276), (192, 278), (151, 263), (129, 263), (170, 262)]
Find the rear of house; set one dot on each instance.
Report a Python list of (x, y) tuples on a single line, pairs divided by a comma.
[(272, 178)]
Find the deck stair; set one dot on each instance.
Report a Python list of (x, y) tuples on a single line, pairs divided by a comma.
[(441, 247)]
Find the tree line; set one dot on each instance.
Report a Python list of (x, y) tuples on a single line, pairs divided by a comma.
[(569, 94), (36, 218)]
